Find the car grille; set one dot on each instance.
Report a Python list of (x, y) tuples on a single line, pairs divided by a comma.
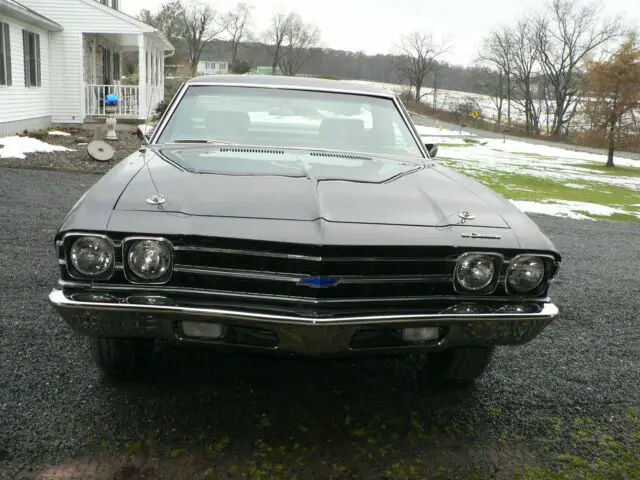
[(272, 272)]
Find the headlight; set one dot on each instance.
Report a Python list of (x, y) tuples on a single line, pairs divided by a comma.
[(149, 259), (525, 273), (91, 256), (475, 271)]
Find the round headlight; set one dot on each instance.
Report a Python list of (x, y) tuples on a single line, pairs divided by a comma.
[(149, 259), (475, 271), (525, 273), (91, 256)]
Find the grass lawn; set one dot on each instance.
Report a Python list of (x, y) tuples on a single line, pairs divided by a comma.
[(524, 176)]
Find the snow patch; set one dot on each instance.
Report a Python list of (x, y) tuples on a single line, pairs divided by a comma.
[(17, 147), (55, 133)]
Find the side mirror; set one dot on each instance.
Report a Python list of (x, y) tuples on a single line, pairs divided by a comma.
[(144, 133), (432, 148)]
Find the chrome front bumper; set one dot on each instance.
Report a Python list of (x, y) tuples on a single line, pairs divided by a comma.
[(301, 335)]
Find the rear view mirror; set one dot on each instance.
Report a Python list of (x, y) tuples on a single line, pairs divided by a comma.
[(432, 148)]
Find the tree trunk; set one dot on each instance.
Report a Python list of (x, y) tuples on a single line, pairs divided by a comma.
[(509, 99), (418, 88), (612, 141), (435, 91), (276, 57)]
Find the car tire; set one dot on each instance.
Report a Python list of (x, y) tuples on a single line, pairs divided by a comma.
[(463, 364), (122, 358)]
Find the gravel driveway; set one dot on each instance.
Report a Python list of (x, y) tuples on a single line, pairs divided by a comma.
[(571, 392)]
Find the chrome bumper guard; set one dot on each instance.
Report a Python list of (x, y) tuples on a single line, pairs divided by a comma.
[(302, 335)]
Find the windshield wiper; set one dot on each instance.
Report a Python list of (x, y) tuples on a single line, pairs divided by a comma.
[(201, 140)]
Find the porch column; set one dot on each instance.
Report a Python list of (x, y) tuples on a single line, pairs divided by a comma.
[(143, 108), (94, 60), (158, 75)]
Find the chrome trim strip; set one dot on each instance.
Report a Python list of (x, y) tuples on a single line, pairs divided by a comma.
[(59, 300), (177, 98), (310, 258), (296, 277), (354, 91), (411, 126), (163, 289)]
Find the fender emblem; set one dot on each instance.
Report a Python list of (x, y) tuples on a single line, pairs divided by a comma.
[(492, 236)]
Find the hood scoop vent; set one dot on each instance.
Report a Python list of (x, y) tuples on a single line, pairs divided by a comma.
[(251, 150), (340, 155)]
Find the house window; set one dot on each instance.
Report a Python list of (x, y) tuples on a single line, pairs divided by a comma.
[(106, 66), (110, 3), (116, 66), (31, 43), (5, 55)]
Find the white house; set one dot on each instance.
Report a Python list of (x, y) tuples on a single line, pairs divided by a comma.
[(60, 58), (208, 66)]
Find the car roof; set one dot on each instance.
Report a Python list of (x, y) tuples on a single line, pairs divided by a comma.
[(306, 83)]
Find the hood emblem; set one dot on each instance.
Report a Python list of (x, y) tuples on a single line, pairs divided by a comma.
[(465, 215), (492, 236), (319, 282), (156, 199)]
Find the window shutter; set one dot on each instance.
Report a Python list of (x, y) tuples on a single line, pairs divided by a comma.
[(25, 49), (38, 65), (7, 53)]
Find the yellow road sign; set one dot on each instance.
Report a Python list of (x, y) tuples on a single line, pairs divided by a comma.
[(475, 115)]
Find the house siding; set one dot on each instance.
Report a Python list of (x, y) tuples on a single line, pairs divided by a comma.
[(24, 107), (68, 48)]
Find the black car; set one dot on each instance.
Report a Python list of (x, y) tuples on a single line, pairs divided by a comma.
[(298, 216)]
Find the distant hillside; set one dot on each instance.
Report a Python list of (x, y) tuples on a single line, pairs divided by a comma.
[(343, 64)]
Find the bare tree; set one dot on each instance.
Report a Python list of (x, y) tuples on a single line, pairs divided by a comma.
[(275, 36), (299, 41), (236, 24), (497, 51), (200, 25), (566, 37), (418, 52), (167, 19), (436, 70), (524, 65), (493, 84)]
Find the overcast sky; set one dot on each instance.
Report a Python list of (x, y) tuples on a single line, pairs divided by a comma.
[(375, 26)]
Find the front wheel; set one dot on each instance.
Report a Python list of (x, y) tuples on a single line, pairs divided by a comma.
[(122, 358), (459, 364)]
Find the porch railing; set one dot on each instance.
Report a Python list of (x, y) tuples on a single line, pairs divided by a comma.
[(129, 105)]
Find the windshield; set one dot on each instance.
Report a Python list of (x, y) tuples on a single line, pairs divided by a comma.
[(290, 118)]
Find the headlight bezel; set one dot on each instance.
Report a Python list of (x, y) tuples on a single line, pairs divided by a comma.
[(131, 276), (550, 269), (69, 241), (498, 262)]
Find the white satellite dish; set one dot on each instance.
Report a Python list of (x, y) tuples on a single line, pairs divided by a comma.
[(100, 151)]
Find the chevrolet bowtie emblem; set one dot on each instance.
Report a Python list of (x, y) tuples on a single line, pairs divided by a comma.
[(319, 282)]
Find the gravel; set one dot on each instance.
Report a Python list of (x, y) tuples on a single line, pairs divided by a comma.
[(77, 160), (365, 416)]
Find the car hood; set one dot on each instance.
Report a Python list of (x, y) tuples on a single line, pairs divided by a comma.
[(305, 188)]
